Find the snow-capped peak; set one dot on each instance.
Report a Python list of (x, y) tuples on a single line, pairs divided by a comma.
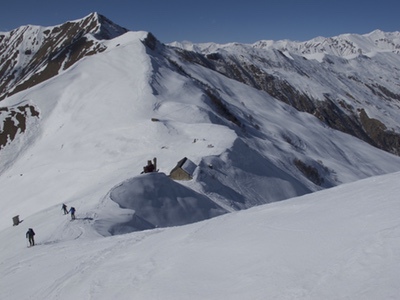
[(42, 52), (345, 45)]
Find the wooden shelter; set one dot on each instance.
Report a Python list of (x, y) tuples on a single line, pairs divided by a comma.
[(184, 170)]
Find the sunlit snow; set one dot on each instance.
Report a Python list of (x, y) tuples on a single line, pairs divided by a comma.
[(105, 117)]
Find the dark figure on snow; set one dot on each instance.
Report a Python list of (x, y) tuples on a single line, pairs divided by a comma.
[(149, 168), (29, 235), (72, 211), (64, 208)]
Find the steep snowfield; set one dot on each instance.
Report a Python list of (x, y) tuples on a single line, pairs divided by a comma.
[(340, 243), (342, 69), (70, 149)]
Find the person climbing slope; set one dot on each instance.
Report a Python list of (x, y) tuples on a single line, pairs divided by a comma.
[(30, 236), (72, 211), (64, 208)]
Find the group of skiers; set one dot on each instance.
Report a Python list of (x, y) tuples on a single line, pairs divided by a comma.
[(71, 210), (30, 233)]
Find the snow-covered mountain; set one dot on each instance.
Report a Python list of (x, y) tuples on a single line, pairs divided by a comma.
[(33, 54), (118, 98), (84, 106), (345, 45), (349, 82)]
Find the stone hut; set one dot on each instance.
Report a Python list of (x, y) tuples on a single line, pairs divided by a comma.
[(184, 170)]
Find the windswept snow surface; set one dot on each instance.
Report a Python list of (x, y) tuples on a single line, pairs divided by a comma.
[(340, 243)]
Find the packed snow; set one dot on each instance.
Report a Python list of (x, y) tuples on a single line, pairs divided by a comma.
[(105, 117), (340, 243)]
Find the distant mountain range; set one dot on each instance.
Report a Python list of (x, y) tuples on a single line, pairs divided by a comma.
[(350, 82), (278, 118)]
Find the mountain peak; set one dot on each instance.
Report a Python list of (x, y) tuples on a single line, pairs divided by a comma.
[(50, 50), (345, 45), (102, 27)]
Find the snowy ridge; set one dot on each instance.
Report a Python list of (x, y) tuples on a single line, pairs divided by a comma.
[(312, 214), (32, 54), (345, 45)]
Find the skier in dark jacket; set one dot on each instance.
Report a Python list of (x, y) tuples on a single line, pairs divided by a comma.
[(72, 211), (64, 208), (29, 235)]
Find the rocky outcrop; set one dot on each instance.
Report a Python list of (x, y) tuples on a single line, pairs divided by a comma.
[(15, 121), (336, 79), (30, 55)]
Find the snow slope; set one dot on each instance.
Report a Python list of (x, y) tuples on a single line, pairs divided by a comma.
[(95, 131), (340, 243), (103, 118)]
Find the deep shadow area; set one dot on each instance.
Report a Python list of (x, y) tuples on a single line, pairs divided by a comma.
[(158, 201)]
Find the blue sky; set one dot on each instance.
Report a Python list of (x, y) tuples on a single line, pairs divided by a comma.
[(217, 21)]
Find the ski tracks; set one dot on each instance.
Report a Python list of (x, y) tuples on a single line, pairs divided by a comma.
[(89, 258)]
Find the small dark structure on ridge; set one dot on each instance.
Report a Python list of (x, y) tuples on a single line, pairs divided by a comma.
[(184, 170), (151, 166)]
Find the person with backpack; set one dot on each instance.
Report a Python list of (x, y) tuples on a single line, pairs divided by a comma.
[(72, 211), (29, 235)]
